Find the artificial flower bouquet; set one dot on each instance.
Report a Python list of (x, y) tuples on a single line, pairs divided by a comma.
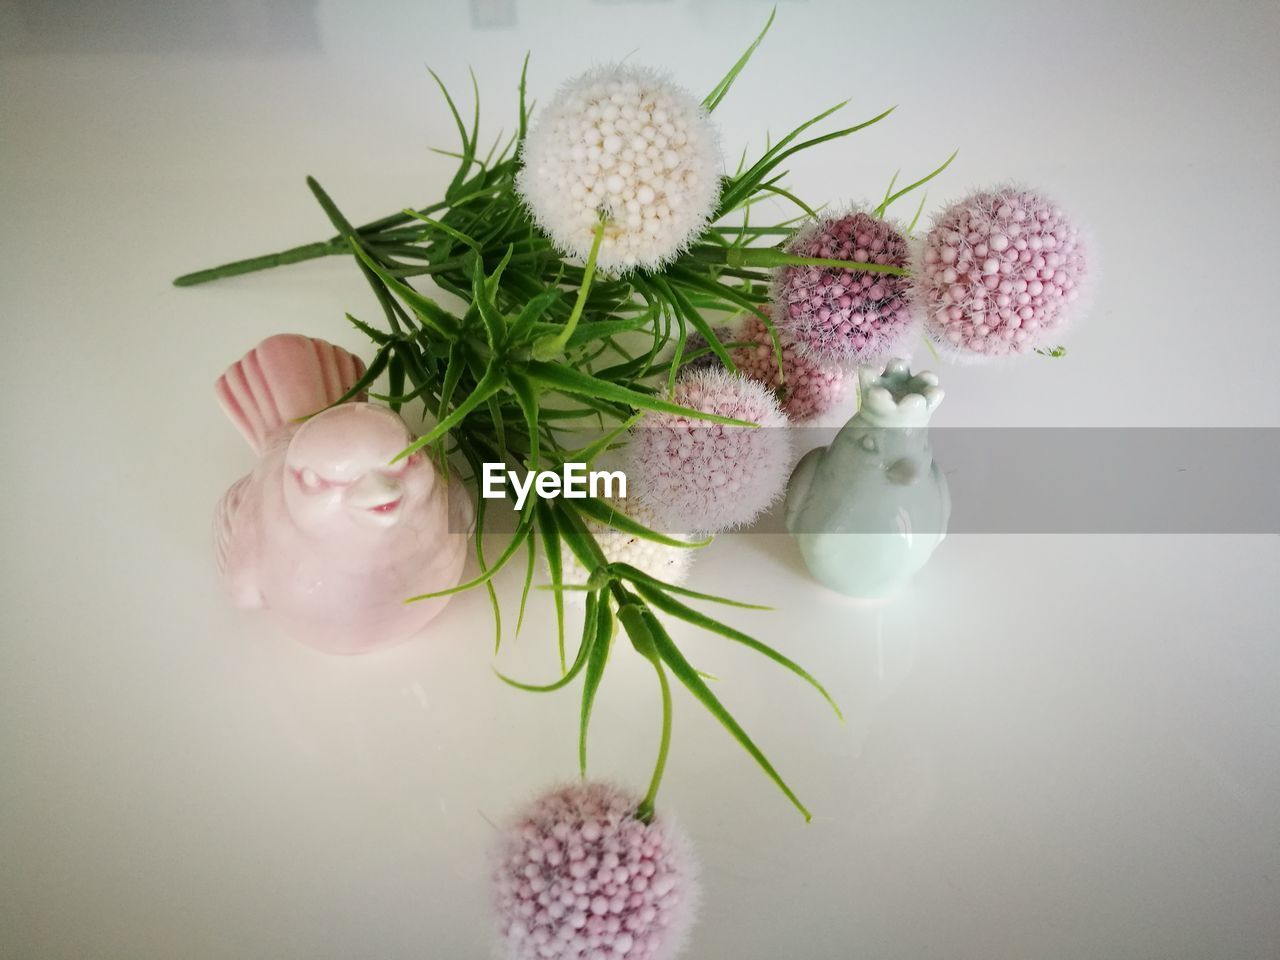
[(602, 282)]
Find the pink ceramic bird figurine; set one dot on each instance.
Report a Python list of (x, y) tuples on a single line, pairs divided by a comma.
[(326, 532)]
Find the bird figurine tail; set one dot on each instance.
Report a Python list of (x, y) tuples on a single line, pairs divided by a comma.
[(283, 378)]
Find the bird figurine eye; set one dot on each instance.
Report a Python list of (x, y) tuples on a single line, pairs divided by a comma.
[(310, 481), (868, 444)]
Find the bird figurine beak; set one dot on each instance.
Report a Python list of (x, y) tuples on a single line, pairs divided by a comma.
[(376, 499)]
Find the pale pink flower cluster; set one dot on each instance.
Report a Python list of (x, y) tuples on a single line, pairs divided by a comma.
[(579, 877), (698, 476), (999, 273), (806, 387), (848, 317)]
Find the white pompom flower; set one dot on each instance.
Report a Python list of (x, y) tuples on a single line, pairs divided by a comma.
[(659, 560), (624, 143)]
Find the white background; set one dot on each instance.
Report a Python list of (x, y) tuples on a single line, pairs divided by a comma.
[(1056, 746)]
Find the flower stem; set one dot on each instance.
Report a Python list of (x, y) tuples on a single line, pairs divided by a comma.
[(928, 342), (308, 251), (645, 811), (348, 234), (769, 257), (551, 346), (632, 614)]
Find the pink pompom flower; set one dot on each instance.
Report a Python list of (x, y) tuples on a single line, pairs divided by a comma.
[(999, 273), (849, 317), (698, 476), (806, 387), (577, 875)]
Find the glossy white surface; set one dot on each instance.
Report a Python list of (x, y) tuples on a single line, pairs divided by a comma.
[(1056, 747)]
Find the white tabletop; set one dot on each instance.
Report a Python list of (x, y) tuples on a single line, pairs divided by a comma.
[(1056, 746)]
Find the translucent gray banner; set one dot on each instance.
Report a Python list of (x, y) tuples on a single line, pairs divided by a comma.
[(1030, 480)]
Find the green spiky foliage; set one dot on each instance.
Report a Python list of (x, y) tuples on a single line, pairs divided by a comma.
[(545, 351)]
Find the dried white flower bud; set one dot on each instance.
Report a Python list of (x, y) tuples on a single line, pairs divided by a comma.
[(624, 142)]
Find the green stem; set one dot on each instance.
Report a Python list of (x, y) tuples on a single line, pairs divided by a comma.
[(349, 233), (880, 210), (632, 615), (308, 251), (928, 342), (769, 257), (551, 346), (645, 811), (336, 216), (779, 231)]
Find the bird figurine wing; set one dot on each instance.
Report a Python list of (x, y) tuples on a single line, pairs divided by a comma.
[(798, 486), (229, 545)]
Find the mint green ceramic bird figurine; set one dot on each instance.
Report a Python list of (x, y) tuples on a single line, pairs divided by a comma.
[(869, 510)]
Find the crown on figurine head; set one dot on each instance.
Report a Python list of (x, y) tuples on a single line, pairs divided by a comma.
[(896, 397)]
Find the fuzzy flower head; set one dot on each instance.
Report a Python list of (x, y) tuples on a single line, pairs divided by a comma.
[(1000, 271), (848, 317), (705, 477), (577, 877), (624, 142), (806, 387), (664, 562)]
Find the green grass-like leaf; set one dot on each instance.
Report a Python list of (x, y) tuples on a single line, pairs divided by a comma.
[(742, 187), (690, 315), (638, 623), (568, 380), (444, 228), (524, 110), (395, 382), (495, 325), (637, 576), (427, 310), (597, 658), (374, 370), (377, 336), (488, 584), (787, 194), (531, 542), (688, 676), (592, 450), (527, 397), (911, 228), (880, 210), (555, 566), (531, 312), (615, 518), (491, 571), (491, 383), (677, 609), (892, 182), (718, 92), (590, 624)]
